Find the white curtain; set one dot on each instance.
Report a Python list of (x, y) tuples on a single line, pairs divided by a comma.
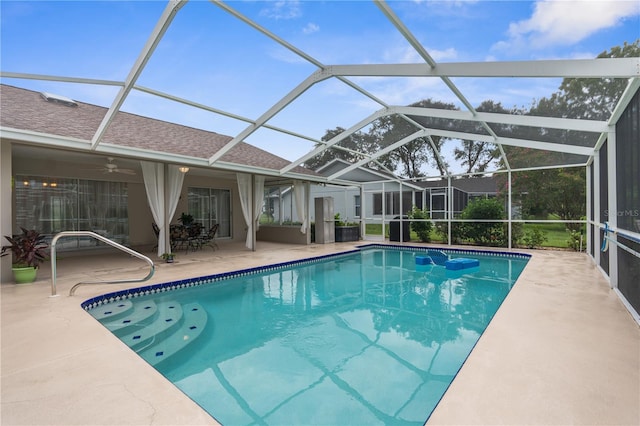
[(154, 183), (299, 193), (258, 200), (244, 190), (175, 179), (153, 175)]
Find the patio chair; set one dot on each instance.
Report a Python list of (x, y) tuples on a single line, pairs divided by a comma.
[(208, 239), (179, 237), (194, 232)]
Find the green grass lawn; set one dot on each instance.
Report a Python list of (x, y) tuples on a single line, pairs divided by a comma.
[(556, 233)]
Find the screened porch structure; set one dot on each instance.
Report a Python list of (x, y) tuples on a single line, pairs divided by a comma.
[(606, 144)]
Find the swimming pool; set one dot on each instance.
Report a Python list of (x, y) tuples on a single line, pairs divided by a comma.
[(365, 337)]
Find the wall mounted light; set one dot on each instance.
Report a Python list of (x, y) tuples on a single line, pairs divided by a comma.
[(183, 169)]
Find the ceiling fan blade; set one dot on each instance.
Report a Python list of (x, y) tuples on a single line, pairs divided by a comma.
[(126, 171)]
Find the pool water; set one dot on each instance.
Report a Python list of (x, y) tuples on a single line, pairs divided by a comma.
[(369, 337)]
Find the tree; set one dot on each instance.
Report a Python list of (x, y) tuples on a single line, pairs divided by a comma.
[(557, 191), (412, 156), (595, 98), (358, 141), (476, 156), (563, 191)]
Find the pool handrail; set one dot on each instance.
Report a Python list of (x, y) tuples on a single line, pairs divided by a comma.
[(104, 240)]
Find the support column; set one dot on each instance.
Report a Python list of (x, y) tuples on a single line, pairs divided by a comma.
[(401, 215), (252, 203), (597, 242), (6, 208), (166, 236), (363, 225), (307, 201), (449, 205), (509, 217), (612, 217), (589, 194)]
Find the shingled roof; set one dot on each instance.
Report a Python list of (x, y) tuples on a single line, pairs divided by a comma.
[(24, 109)]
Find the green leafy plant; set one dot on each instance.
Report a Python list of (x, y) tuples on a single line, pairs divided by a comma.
[(186, 219), (28, 248), (575, 238), (339, 222), (423, 227), (534, 238), (484, 233)]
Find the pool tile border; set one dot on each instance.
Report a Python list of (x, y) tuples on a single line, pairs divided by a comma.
[(509, 254), (94, 302)]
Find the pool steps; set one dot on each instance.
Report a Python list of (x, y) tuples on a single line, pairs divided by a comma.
[(169, 314), (156, 331), (193, 325), (125, 318)]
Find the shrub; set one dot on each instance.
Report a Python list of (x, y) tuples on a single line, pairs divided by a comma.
[(534, 238), (574, 240), (484, 233), (423, 227), (517, 232)]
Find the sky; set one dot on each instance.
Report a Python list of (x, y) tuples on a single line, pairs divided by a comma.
[(211, 57)]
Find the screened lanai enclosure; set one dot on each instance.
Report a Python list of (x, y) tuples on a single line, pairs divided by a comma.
[(456, 137)]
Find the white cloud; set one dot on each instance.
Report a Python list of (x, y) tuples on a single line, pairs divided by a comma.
[(555, 22), (311, 28), (282, 9)]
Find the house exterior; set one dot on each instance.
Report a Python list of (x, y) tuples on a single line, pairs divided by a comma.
[(354, 203), (53, 181), (463, 190), (432, 195)]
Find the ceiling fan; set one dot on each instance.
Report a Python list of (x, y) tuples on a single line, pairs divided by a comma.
[(111, 167)]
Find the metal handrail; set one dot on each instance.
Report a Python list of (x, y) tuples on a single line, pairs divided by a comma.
[(104, 240)]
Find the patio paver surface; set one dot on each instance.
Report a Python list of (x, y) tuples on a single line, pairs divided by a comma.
[(562, 349)]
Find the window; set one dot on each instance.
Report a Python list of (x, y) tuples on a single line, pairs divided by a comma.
[(52, 205), (356, 203), (377, 203), (392, 202), (279, 206), (209, 206)]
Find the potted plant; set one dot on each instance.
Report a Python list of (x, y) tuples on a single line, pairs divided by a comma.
[(186, 219), (28, 251), (168, 257), (345, 231)]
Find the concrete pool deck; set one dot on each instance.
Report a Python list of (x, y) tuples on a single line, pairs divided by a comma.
[(562, 349)]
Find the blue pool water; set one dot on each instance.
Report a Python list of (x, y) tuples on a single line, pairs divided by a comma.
[(368, 337)]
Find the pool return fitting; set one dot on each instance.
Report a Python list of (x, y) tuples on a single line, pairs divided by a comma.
[(104, 240)]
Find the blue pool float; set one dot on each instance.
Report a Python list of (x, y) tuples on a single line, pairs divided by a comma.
[(424, 260), (461, 263)]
